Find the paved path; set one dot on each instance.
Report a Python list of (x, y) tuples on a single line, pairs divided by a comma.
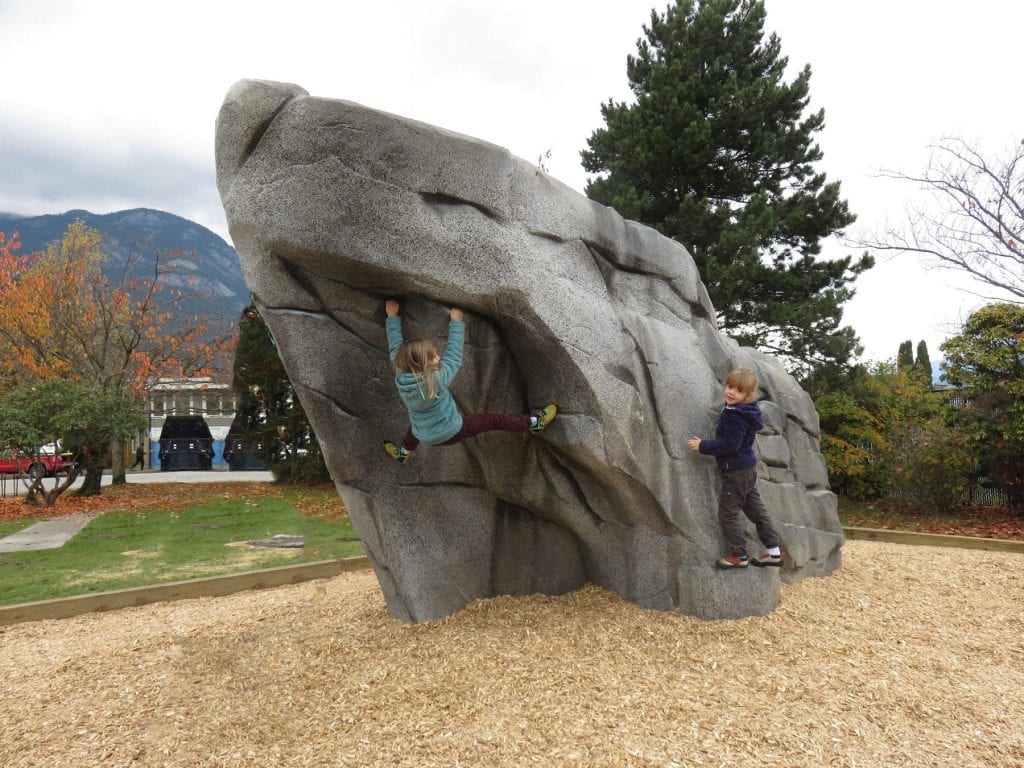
[(48, 534), (51, 534), (210, 476)]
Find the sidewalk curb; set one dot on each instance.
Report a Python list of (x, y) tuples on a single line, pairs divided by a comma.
[(216, 586)]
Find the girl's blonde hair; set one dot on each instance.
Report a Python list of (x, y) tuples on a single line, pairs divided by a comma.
[(744, 381), (416, 356)]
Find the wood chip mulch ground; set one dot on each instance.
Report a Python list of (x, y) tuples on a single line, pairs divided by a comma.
[(907, 656)]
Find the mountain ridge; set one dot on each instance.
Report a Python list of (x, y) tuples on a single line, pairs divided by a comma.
[(136, 237)]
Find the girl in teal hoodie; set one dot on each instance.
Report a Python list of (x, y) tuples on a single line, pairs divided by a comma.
[(423, 379)]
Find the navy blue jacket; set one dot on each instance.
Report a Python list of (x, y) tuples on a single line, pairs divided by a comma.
[(733, 444)]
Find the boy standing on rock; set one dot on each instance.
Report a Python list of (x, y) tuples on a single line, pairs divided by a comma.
[(733, 449)]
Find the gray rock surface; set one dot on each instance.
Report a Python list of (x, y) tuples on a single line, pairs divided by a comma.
[(334, 207)]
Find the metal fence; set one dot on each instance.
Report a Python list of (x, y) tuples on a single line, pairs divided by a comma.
[(12, 484), (976, 496), (8, 485)]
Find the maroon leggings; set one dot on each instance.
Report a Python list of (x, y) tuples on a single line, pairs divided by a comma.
[(474, 425)]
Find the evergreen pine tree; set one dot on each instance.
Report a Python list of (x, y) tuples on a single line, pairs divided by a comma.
[(260, 384), (268, 411), (923, 363), (905, 355), (717, 154)]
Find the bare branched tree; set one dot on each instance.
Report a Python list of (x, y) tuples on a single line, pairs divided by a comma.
[(975, 224)]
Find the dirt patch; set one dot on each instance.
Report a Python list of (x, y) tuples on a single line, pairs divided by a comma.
[(143, 554), (907, 656), (132, 568), (244, 558)]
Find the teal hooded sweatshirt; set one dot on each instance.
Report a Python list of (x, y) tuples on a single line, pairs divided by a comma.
[(433, 420)]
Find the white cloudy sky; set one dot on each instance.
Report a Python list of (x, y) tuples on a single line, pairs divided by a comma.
[(110, 104)]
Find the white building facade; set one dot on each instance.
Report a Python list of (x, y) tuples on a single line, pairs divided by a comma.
[(200, 396)]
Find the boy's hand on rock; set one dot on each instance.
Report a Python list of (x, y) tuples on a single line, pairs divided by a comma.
[(391, 307), (694, 443), (456, 314)]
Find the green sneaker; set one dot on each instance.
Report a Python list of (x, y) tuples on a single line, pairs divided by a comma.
[(544, 417), (398, 454)]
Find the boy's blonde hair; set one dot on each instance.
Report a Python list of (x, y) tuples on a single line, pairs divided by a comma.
[(743, 380), (416, 356)]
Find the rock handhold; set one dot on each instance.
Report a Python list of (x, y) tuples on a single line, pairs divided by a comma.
[(334, 207)]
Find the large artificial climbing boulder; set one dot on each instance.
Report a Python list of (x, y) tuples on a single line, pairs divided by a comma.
[(334, 207)]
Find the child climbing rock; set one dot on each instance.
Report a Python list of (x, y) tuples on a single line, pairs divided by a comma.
[(733, 449), (423, 379)]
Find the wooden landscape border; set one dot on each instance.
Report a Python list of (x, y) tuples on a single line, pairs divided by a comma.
[(218, 586), (933, 539), (214, 586)]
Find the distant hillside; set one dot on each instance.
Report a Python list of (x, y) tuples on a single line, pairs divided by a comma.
[(213, 277)]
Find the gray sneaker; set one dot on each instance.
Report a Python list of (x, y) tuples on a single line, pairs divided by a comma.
[(767, 561)]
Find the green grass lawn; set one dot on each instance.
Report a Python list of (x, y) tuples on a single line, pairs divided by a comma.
[(130, 549), (7, 528)]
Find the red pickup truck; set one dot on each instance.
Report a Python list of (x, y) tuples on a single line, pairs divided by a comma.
[(35, 465)]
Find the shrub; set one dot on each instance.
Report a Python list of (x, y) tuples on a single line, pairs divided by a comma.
[(304, 468), (932, 465)]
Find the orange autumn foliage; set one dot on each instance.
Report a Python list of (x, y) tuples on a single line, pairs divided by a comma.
[(316, 502), (60, 317)]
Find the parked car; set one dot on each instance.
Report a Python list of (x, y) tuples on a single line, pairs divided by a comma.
[(37, 464), (185, 443)]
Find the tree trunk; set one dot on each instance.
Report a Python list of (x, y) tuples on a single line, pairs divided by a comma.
[(117, 462), (39, 496), (92, 462), (91, 483), (35, 496)]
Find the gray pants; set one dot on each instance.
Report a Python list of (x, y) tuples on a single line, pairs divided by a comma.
[(739, 495)]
